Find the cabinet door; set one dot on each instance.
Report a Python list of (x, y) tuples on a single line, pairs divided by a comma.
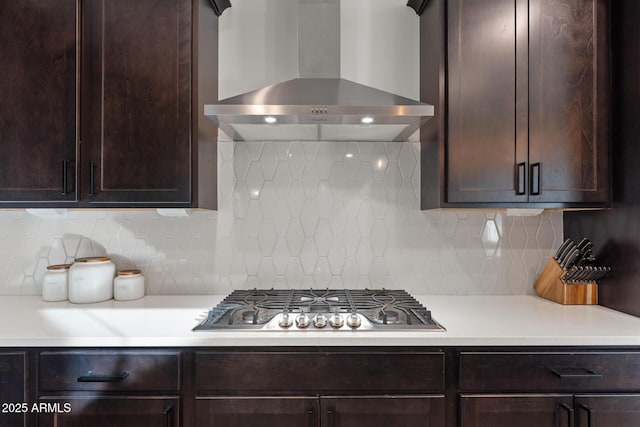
[(569, 86), (37, 101), (13, 389), (487, 135), (619, 410), (98, 411), (384, 411), (257, 411), (516, 410), (136, 103)]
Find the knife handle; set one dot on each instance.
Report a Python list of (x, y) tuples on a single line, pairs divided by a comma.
[(565, 253), (562, 247), (571, 259)]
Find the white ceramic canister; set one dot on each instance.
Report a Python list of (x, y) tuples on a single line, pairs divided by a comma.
[(91, 280), (54, 282), (128, 285)]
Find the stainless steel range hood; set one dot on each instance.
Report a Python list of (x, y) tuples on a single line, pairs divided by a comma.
[(319, 105)]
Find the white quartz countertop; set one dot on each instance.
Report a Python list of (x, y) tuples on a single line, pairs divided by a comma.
[(166, 321)]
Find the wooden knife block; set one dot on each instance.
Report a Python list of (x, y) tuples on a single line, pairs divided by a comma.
[(551, 286)]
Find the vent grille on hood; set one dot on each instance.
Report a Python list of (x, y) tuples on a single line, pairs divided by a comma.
[(319, 105)]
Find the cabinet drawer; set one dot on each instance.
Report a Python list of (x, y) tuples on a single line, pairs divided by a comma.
[(109, 371), (585, 371), (288, 372)]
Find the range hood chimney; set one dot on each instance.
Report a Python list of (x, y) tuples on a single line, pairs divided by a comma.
[(319, 105)]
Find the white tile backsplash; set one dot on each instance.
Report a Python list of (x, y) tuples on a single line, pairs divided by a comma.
[(296, 214)]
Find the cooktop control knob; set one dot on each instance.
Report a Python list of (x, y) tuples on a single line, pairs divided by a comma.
[(302, 320), (285, 321), (319, 321), (336, 321), (353, 321)]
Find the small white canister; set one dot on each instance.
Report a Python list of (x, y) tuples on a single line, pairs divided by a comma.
[(54, 282), (91, 280), (128, 285)]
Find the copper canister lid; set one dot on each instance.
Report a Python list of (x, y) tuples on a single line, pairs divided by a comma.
[(93, 259), (128, 272), (58, 267)]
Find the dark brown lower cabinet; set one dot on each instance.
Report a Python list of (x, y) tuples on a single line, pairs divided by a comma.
[(549, 388), (109, 387), (550, 410), (324, 411), (323, 387), (13, 389), (615, 410), (336, 388), (257, 411), (382, 411), (109, 411), (523, 410)]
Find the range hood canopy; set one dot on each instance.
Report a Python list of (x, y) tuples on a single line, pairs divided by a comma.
[(319, 105)]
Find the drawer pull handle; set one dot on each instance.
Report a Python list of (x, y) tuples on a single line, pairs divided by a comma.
[(575, 373), (92, 378)]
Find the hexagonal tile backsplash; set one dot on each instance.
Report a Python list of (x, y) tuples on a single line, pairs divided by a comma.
[(296, 214)]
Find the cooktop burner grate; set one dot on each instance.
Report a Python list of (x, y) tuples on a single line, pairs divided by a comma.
[(341, 309)]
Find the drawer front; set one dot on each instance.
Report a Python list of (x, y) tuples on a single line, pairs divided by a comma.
[(585, 371), (289, 372), (109, 371)]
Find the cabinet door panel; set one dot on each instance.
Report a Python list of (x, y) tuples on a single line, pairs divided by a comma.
[(619, 410), (109, 411), (487, 101), (13, 387), (257, 412), (387, 411), (37, 100), (136, 133), (515, 410), (568, 99)]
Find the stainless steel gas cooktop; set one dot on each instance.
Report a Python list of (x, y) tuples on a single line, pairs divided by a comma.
[(314, 309)]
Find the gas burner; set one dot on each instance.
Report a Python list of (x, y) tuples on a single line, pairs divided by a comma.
[(250, 316), (389, 316), (319, 310)]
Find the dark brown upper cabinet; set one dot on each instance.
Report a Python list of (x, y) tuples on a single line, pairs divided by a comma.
[(137, 121), (110, 97), (38, 102), (521, 90)]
